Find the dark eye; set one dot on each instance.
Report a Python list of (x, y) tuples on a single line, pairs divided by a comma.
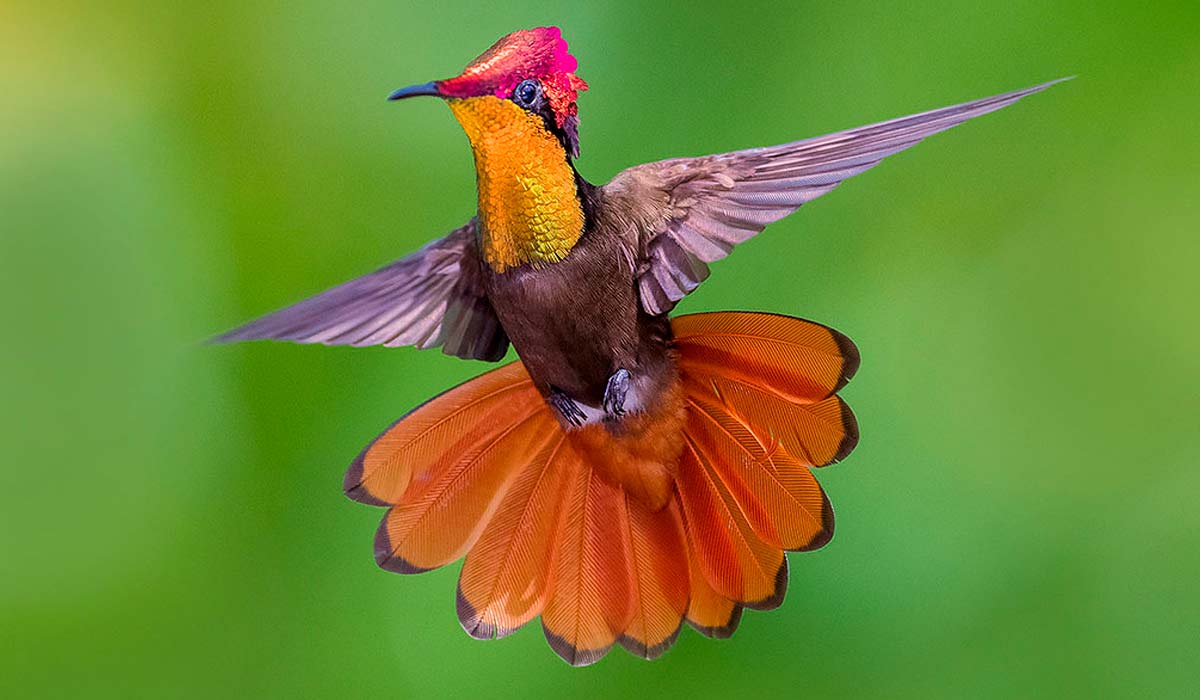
[(527, 92)]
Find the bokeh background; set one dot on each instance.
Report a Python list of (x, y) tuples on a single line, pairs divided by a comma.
[(1019, 520)]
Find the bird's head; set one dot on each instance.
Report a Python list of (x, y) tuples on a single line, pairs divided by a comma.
[(525, 79)]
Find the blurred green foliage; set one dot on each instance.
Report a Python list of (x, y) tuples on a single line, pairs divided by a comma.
[(1019, 520)]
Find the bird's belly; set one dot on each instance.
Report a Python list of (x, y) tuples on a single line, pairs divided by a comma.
[(573, 323)]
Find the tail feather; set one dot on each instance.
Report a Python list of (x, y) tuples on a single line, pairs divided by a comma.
[(659, 594), (438, 520), (447, 424), (567, 525), (798, 360), (816, 434), (708, 612), (734, 561), (503, 583), (776, 495), (589, 604)]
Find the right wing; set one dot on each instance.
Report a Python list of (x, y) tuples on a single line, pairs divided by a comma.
[(432, 297), (688, 212)]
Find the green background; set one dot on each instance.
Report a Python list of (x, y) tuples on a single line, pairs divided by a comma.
[(1020, 518)]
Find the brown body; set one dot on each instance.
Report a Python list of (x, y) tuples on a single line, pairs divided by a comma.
[(576, 322)]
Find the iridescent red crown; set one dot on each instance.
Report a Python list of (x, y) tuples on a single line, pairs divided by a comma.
[(539, 53)]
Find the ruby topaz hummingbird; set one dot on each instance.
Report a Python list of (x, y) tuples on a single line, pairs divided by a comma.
[(631, 471)]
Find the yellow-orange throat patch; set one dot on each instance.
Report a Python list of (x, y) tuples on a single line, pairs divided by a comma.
[(528, 208)]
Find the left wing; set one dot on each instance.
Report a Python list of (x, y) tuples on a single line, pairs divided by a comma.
[(688, 212), (433, 297)]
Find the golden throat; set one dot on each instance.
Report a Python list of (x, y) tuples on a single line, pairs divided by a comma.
[(529, 211)]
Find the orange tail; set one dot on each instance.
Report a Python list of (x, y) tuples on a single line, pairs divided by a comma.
[(622, 549)]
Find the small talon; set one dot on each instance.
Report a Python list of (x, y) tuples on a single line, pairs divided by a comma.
[(615, 393), (566, 407)]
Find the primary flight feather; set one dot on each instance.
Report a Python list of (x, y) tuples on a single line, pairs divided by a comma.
[(631, 471)]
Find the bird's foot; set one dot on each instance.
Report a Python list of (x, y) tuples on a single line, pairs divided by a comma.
[(615, 393), (566, 407)]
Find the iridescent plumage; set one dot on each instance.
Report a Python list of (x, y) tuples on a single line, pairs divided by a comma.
[(631, 471)]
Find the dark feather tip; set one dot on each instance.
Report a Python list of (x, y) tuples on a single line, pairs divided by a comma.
[(822, 537), (567, 651), (851, 359), (469, 618), (352, 483), (386, 557), (726, 630), (353, 486), (639, 648), (849, 433), (776, 598)]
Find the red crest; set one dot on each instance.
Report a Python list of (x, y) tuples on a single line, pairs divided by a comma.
[(539, 53)]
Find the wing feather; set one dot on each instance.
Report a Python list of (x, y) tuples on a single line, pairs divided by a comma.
[(705, 206), (430, 298)]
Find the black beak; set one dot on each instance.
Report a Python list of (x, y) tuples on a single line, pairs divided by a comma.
[(416, 91)]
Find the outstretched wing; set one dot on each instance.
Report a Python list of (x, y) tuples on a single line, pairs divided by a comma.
[(688, 212), (432, 297)]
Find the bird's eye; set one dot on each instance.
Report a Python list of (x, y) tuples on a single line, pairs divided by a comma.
[(527, 92)]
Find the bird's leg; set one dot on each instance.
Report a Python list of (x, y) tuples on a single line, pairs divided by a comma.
[(615, 393), (566, 407)]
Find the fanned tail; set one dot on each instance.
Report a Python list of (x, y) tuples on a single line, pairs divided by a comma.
[(762, 410), (550, 527)]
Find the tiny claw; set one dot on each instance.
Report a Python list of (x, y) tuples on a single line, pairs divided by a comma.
[(615, 393), (566, 407)]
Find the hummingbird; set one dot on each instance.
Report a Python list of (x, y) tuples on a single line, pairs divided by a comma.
[(631, 471)]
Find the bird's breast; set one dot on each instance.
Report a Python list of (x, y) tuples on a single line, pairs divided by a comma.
[(529, 209), (576, 322)]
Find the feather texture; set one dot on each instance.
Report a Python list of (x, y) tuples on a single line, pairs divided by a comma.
[(441, 429), (775, 494), (659, 590), (551, 526), (503, 583), (813, 434), (708, 205), (798, 360), (709, 613), (446, 507), (589, 605), (735, 562), (430, 298)]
